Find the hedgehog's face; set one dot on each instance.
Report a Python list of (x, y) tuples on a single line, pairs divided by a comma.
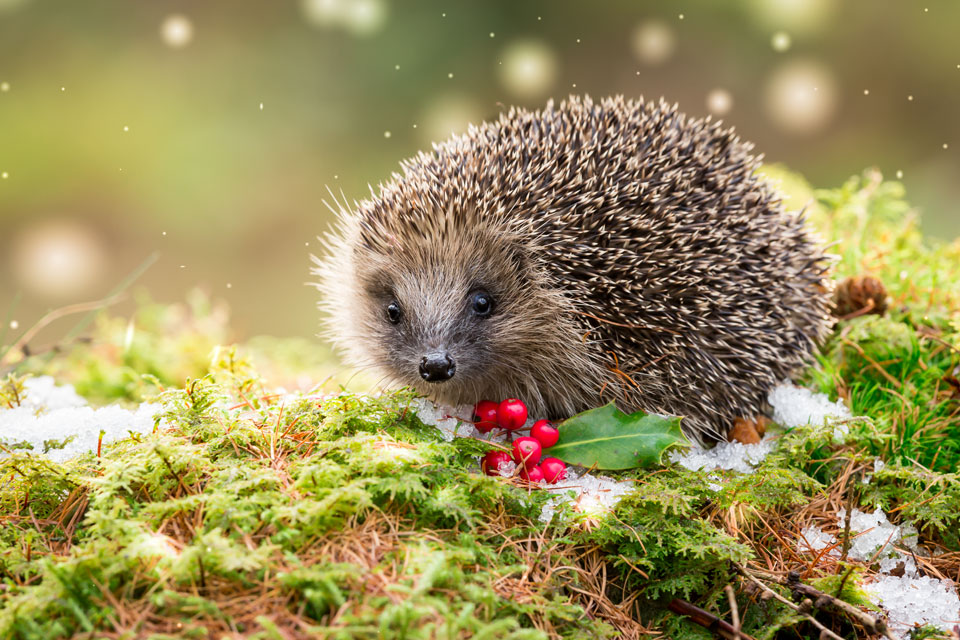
[(442, 316), (433, 326)]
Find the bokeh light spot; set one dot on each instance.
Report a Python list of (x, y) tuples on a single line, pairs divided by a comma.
[(323, 13), (176, 31), (363, 17), (529, 69), (58, 259), (719, 102), (653, 42), (360, 17), (801, 97), (781, 41)]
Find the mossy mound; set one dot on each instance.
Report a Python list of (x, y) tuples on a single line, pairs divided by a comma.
[(256, 513)]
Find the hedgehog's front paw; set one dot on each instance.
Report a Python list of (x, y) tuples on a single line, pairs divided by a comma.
[(749, 430)]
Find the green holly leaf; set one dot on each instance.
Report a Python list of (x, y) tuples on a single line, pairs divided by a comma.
[(607, 438)]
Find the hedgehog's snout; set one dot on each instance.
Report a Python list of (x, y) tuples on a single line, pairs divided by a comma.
[(437, 367)]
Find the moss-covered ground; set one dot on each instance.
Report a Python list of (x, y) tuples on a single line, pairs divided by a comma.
[(258, 514)]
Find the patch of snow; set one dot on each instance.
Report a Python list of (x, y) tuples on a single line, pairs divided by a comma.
[(872, 536), (457, 422), (83, 423), (43, 394), (507, 469), (815, 538), (589, 494), (909, 599), (734, 456), (891, 564), (909, 536), (452, 422), (913, 601), (795, 406), (875, 534), (878, 464), (57, 412)]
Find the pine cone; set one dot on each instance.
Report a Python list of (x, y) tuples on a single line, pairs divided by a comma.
[(859, 296)]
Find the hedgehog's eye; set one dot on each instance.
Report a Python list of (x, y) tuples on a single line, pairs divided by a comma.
[(481, 303), (393, 312)]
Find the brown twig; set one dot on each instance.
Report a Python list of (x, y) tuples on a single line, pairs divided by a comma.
[(707, 620), (846, 527)]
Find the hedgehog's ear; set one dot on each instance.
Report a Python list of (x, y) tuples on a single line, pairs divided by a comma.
[(520, 257)]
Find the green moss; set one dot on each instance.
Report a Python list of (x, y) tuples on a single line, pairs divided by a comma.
[(12, 391), (845, 586), (899, 370), (898, 377), (927, 499)]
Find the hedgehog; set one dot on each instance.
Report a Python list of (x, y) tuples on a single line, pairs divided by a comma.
[(592, 252)]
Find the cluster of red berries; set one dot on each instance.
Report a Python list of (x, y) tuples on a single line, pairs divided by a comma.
[(511, 414)]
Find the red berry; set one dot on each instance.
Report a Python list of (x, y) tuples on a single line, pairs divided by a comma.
[(554, 470), (527, 451), (511, 414), (533, 474), (545, 432), (492, 461), (485, 416)]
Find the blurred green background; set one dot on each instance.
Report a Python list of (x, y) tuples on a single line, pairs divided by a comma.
[(209, 132)]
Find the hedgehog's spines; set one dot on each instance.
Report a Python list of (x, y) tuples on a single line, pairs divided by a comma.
[(648, 235)]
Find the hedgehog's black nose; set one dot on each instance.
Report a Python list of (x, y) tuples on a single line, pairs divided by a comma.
[(437, 367)]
